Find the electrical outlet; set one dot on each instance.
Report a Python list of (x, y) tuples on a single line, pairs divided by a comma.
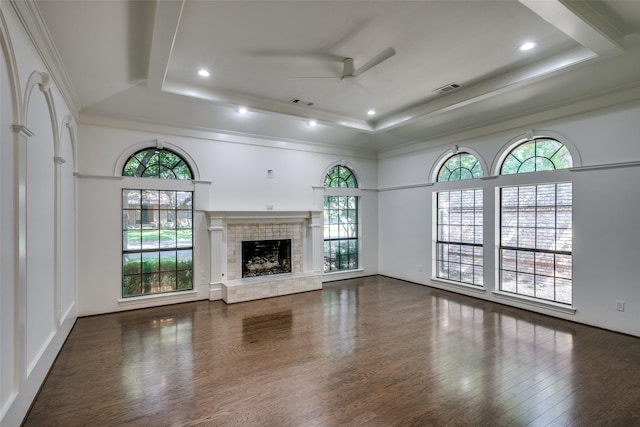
[(270, 173), (620, 305)]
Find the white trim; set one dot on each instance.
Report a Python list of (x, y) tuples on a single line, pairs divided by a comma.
[(181, 130), (606, 166), (87, 176), (68, 125), (537, 303), (579, 106), (333, 276), (33, 23), (177, 296), (239, 217), (13, 76), (406, 187), (457, 285)]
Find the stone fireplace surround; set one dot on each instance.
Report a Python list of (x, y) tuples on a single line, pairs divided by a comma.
[(227, 230)]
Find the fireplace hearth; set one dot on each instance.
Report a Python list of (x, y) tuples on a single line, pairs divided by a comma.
[(266, 257)]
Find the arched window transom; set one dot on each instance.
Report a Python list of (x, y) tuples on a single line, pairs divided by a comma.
[(340, 177), (155, 163), (460, 166), (537, 155)]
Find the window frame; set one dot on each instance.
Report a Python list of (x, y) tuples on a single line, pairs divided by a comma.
[(461, 183), (343, 190), (158, 154), (520, 180), (444, 164), (517, 249), (473, 245), (161, 183), (159, 250)]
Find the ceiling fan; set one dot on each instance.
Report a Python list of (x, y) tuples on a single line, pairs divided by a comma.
[(348, 66)]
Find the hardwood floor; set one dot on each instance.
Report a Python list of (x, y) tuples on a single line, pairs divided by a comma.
[(373, 351)]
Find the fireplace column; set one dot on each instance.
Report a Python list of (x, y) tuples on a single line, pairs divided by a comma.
[(315, 243), (218, 256)]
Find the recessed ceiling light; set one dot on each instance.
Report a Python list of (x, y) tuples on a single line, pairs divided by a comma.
[(203, 73), (243, 110), (371, 112), (527, 46), (312, 123)]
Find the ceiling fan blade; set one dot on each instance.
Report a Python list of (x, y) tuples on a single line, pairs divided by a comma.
[(382, 56)]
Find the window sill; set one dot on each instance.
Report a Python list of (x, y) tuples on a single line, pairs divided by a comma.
[(459, 285), (341, 274), (173, 296), (549, 305)]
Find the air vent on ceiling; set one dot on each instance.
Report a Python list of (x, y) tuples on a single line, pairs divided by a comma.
[(447, 88), (301, 102)]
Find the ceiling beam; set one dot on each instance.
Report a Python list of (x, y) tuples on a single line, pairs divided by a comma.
[(165, 29), (580, 21)]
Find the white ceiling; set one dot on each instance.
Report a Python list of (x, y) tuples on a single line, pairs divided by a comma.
[(139, 60)]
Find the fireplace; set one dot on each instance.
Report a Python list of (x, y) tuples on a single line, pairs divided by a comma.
[(281, 242), (266, 257)]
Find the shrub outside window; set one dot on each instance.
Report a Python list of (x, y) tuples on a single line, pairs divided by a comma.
[(157, 228)]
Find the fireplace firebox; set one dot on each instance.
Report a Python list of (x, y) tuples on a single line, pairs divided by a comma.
[(266, 257)]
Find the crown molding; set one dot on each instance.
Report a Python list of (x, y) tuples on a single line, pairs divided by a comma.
[(180, 130), (33, 23), (628, 93)]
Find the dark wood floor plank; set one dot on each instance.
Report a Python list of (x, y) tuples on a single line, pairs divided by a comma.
[(373, 351)]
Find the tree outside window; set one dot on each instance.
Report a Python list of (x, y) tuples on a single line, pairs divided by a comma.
[(157, 228), (341, 222)]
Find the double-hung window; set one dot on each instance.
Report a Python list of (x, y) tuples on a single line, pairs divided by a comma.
[(459, 223), (157, 227), (341, 220), (535, 253)]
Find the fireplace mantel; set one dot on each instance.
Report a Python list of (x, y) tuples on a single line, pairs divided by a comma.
[(228, 228), (262, 216)]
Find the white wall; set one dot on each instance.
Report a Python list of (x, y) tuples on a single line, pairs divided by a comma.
[(37, 267), (232, 176), (606, 201)]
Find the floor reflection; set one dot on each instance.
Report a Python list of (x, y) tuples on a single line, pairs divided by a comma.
[(374, 351), (499, 361), (341, 320), (157, 355)]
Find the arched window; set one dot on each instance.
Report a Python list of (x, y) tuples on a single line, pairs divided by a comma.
[(156, 163), (157, 227), (536, 155), (341, 217), (536, 233), (340, 177), (459, 241), (460, 166)]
